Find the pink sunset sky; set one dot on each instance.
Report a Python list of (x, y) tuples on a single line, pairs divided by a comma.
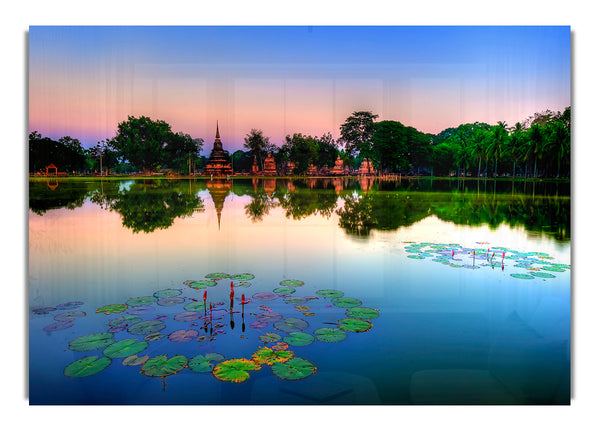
[(83, 81)]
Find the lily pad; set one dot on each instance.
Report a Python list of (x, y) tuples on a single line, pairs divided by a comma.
[(354, 325), (134, 360), (242, 284), (553, 268), (69, 305), (542, 275), (166, 293), (43, 310), (235, 370), (194, 306), (124, 320), (182, 336), (294, 369), (522, 276), (284, 290), (92, 342), (202, 284), (140, 309), (141, 300), (87, 366), (415, 256), (270, 337), (146, 327), (291, 283), (330, 293), (154, 336), (362, 313), (299, 339), (302, 308), (268, 316), (58, 326), (280, 346), (115, 329), (294, 300), (204, 364), (160, 366), (69, 315), (330, 335), (291, 324), (258, 324), (123, 348), (265, 296), (112, 308), (188, 316), (264, 355), (214, 275), (243, 277), (170, 301), (346, 302)]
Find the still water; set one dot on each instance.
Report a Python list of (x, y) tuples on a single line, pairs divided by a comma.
[(430, 292)]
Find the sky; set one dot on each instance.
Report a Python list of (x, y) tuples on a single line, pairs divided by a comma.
[(83, 80)]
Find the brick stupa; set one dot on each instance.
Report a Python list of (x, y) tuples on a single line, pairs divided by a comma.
[(255, 170), (338, 169), (366, 168), (270, 170), (312, 170), (218, 164)]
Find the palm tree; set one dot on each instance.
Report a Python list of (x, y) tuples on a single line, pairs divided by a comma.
[(497, 142), (534, 146), (515, 141)]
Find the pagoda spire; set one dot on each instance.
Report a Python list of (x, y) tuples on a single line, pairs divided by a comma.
[(217, 136)]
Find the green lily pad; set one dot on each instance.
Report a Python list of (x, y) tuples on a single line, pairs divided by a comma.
[(330, 293), (160, 366), (235, 370), (522, 276), (362, 313), (284, 290), (354, 325), (294, 300), (170, 301), (264, 355), (214, 275), (124, 320), (112, 308), (290, 324), (195, 306), (244, 284), (299, 339), (294, 369), (92, 342), (416, 256), (146, 327), (291, 283), (123, 348), (134, 360), (270, 337), (204, 364), (202, 284), (330, 335), (553, 268), (87, 366), (346, 302), (542, 274), (244, 277), (141, 300), (302, 308), (166, 293), (154, 336)]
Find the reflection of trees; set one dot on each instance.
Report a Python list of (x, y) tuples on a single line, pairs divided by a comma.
[(151, 205), (44, 196), (389, 211), (302, 203)]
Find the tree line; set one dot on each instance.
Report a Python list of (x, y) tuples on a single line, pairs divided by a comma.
[(539, 146)]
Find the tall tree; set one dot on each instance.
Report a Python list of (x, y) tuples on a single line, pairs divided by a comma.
[(258, 144), (357, 132), (143, 142)]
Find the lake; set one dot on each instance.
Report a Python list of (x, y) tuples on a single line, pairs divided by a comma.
[(355, 291)]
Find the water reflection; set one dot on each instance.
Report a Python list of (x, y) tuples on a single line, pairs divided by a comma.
[(362, 205)]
